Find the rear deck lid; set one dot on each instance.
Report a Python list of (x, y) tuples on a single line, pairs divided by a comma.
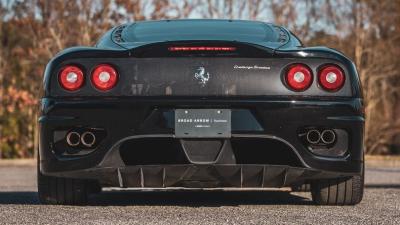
[(136, 34)]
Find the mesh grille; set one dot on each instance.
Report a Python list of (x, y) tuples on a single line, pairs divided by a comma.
[(117, 35), (283, 37)]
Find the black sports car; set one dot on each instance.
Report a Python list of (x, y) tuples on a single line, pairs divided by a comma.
[(201, 104)]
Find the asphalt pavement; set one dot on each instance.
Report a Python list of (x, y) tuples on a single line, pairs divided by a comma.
[(19, 204)]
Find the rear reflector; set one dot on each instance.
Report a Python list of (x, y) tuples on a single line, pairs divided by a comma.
[(298, 77), (71, 78), (104, 77), (200, 48)]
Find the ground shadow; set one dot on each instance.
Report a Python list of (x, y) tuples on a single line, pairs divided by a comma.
[(173, 198), (182, 198), (200, 198), (384, 186), (19, 198), (386, 170)]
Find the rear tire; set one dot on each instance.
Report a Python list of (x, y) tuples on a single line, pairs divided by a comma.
[(63, 191), (339, 191)]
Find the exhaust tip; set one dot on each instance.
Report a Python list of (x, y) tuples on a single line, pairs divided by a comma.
[(73, 139), (328, 136), (88, 139), (313, 136)]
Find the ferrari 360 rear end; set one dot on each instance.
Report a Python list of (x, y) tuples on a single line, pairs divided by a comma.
[(246, 107)]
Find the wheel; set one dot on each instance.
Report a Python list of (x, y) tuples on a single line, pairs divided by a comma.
[(340, 191), (64, 191), (301, 188)]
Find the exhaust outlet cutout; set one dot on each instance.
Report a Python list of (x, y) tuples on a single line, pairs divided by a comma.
[(328, 136), (73, 139), (313, 136), (88, 139)]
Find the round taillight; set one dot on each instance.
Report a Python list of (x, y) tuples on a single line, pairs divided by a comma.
[(71, 78), (104, 77), (298, 77), (331, 78)]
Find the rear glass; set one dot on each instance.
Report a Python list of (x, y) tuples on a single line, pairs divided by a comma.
[(156, 31)]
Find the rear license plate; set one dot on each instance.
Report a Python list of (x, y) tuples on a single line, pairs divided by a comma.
[(202, 123)]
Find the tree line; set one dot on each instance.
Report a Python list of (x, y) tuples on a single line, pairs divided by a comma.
[(33, 31)]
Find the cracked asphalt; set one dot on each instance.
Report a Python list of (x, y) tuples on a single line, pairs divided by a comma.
[(19, 204)]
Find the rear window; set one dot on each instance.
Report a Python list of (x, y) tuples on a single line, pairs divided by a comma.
[(157, 31)]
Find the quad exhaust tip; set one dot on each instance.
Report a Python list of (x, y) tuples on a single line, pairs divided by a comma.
[(88, 139), (313, 136), (328, 136), (73, 139)]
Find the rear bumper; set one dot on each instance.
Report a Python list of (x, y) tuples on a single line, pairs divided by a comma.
[(125, 119)]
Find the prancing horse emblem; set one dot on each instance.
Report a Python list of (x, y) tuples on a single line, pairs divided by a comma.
[(202, 76)]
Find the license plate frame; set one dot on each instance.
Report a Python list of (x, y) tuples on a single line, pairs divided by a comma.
[(203, 123)]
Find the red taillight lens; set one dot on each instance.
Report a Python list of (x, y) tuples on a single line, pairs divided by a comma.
[(299, 77), (71, 78), (200, 48), (331, 78), (104, 77)]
